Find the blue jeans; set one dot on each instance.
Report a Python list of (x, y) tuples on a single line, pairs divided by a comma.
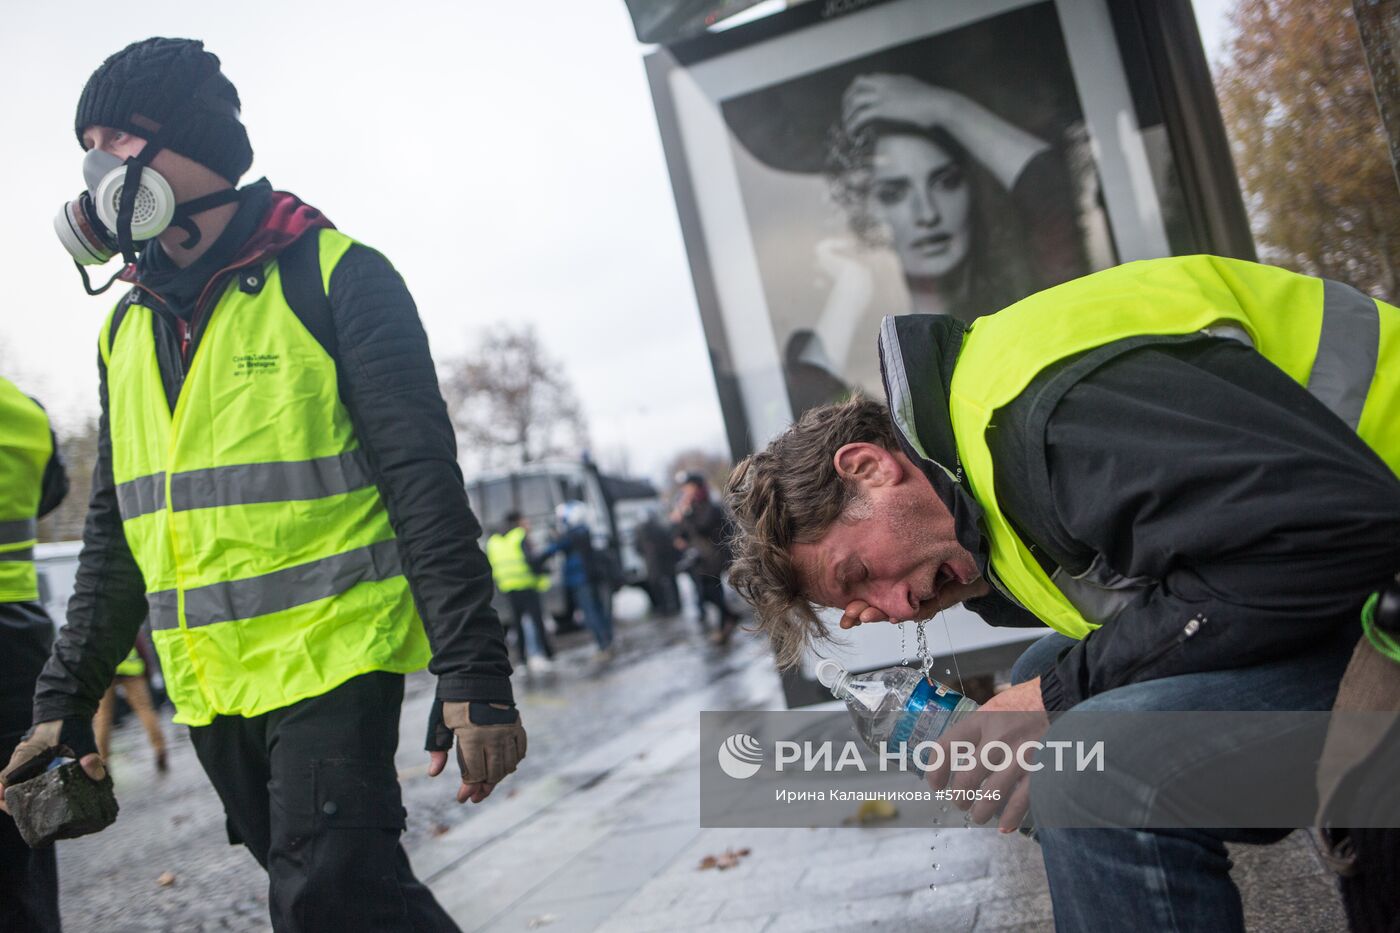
[(1171, 880), (595, 617)]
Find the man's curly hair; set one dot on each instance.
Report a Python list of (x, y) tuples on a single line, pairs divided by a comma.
[(790, 494)]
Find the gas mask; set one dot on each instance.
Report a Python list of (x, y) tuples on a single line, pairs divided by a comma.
[(126, 205)]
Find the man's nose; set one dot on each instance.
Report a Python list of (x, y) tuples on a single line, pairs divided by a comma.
[(897, 601)]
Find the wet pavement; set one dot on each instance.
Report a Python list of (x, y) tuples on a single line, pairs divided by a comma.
[(599, 829), (175, 824)]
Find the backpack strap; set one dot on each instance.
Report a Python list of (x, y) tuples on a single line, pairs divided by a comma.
[(115, 322), (305, 289)]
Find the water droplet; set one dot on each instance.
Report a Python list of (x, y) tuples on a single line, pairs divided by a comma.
[(947, 670)]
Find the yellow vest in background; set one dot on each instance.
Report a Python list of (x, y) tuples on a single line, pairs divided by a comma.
[(25, 449), (133, 666), (509, 569)]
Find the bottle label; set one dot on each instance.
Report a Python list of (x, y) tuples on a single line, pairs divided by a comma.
[(926, 713)]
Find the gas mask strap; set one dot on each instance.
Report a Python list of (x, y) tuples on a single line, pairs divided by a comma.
[(130, 186), (87, 283), (185, 212)]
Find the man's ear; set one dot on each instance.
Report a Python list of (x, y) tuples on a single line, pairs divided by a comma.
[(868, 465)]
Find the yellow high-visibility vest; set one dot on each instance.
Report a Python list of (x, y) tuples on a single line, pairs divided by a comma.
[(272, 573), (25, 448), (510, 570), (1340, 344), (132, 666)]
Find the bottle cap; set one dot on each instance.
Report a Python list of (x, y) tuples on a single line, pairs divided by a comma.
[(828, 671)]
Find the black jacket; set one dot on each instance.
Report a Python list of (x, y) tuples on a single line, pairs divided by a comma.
[(26, 631), (705, 525), (389, 386), (1191, 467)]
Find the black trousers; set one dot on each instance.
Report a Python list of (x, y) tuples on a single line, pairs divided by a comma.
[(28, 877), (711, 591), (527, 608), (665, 595), (312, 791)]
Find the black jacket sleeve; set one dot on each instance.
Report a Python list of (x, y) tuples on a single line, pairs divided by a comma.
[(108, 603), (1204, 468), (390, 388)]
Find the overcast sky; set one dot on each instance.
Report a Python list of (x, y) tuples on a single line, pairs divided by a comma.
[(503, 155)]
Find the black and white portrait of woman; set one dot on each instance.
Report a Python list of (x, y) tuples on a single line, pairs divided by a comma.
[(951, 176)]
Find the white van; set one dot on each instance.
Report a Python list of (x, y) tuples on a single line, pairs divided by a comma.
[(57, 565), (615, 507)]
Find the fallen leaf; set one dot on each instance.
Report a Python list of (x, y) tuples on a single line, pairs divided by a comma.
[(875, 811), (726, 860), (166, 879), (439, 829)]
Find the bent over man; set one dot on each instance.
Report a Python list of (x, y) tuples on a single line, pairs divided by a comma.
[(1186, 467), (277, 487)]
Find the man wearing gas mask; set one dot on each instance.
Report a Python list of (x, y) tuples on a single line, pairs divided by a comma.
[(277, 487)]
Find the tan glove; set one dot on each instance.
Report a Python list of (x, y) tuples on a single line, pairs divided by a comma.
[(71, 738), (489, 737)]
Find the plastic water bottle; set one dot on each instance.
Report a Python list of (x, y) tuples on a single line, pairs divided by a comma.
[(899, 705), (895, 705)]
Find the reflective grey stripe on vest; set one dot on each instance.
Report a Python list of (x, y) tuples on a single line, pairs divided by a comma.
[(1099, 592), (24, 553), (141, 496), (246, 484), (282, 589), (21, 529), (1347, 350), (164, 609), (286, 481)]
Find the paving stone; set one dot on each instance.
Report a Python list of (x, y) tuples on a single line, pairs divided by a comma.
[(661, 921), (623, 861), (1300, 905), (1293, 857), (951, 870), (878, 913), (61, 803), (573, 915), (980, 891), (1019, 911)]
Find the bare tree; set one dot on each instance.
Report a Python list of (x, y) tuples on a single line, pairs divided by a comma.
[(511, 402), (79, 451), (1308, 142), (711, 464)]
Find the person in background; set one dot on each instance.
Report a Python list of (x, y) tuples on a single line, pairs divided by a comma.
[(32, 483), (657, 545), (702, 524), (131, 680), (513, 568), (584, 574)]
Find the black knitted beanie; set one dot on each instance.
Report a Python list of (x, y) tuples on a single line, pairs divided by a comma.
[(158, 81)]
